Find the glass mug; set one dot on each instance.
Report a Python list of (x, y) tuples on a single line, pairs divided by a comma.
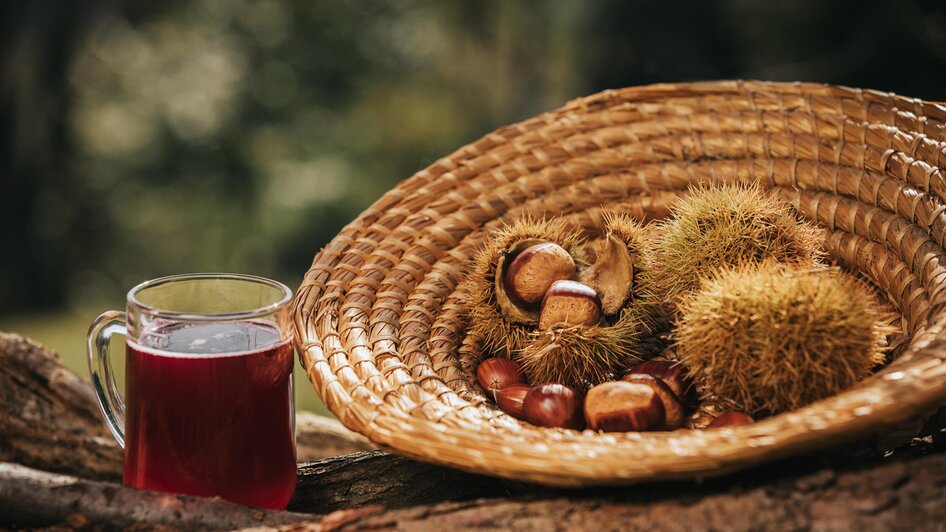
[(208, 406)]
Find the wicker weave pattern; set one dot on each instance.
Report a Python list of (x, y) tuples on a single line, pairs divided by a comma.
[(381, 330)]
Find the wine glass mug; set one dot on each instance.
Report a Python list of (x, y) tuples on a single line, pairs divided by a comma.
[(208, 405)]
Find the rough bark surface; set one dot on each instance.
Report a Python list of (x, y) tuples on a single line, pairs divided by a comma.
[(319, 437), (33, 498), (49, 417), (378, 478), (898, 494)]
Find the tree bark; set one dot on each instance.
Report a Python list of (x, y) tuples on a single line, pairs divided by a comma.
[(49, 418), (899, 494), (319, 437), (377, 478), (32, 498)]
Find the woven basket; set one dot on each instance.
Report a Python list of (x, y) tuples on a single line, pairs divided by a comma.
[(381, 328)]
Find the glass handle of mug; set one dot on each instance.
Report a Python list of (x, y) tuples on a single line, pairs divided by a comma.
[(102, 374)]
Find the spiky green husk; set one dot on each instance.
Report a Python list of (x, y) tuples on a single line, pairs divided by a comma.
[(501, 335), (769, 339), (581, 357), (722, 227)]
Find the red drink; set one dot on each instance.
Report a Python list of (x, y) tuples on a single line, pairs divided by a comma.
[(209, 412)]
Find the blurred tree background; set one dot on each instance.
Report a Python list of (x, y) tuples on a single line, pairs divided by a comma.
[(147, 138)]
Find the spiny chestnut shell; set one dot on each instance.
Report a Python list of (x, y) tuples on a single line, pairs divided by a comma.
[(569, 303), (673, 374), (623, 407), (553, 405), (511, 398), (730, 419), (532, 271), (494, 374), (673, 410)]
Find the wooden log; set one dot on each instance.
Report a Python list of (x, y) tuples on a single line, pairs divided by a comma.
[(319, 437), (50, 420), (899, 494), (377, 478), (33, 498)]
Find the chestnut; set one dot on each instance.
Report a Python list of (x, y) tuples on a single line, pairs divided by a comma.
[(569, 303), (534, 269), (730, 419), (553, 405), (510, 399), (673, 374), (496, 373), (673, 410), (623, 406)]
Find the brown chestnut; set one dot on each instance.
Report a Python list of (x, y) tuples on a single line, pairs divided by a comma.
[(534, 269), (673, 410), (730, 419), (496, 373), (553, 405), (674, 375), (569, 303), (623, 406), (510, 399)]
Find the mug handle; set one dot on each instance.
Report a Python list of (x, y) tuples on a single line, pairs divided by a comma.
[(102, 374)]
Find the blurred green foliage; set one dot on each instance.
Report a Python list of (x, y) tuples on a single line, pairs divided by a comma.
[(150, 138)]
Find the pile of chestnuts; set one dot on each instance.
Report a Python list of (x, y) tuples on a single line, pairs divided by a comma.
[(564, 309), (654, 395), (623, 332)]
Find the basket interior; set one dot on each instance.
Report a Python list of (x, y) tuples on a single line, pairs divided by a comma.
[(380, 320)]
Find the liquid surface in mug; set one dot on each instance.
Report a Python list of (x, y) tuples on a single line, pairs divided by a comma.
[(209, 412)]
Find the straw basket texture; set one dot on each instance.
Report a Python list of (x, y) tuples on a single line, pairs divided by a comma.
[(379, 320)]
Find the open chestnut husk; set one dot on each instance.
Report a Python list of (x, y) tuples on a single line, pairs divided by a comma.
[(554, 405), (614, 272), (623, 407), (501, 325), (612, 275)]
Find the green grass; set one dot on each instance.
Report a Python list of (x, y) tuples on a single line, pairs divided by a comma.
[(64, 332)]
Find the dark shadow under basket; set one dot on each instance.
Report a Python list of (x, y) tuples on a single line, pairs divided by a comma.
[(379, 321)]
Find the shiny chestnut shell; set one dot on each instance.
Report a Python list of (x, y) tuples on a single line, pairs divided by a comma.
[(554, 405), (623, 407), (533, 270), (494, 374), (674, 415), (511, 398)]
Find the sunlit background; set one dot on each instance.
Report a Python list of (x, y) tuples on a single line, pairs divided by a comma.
[(148, 138)]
